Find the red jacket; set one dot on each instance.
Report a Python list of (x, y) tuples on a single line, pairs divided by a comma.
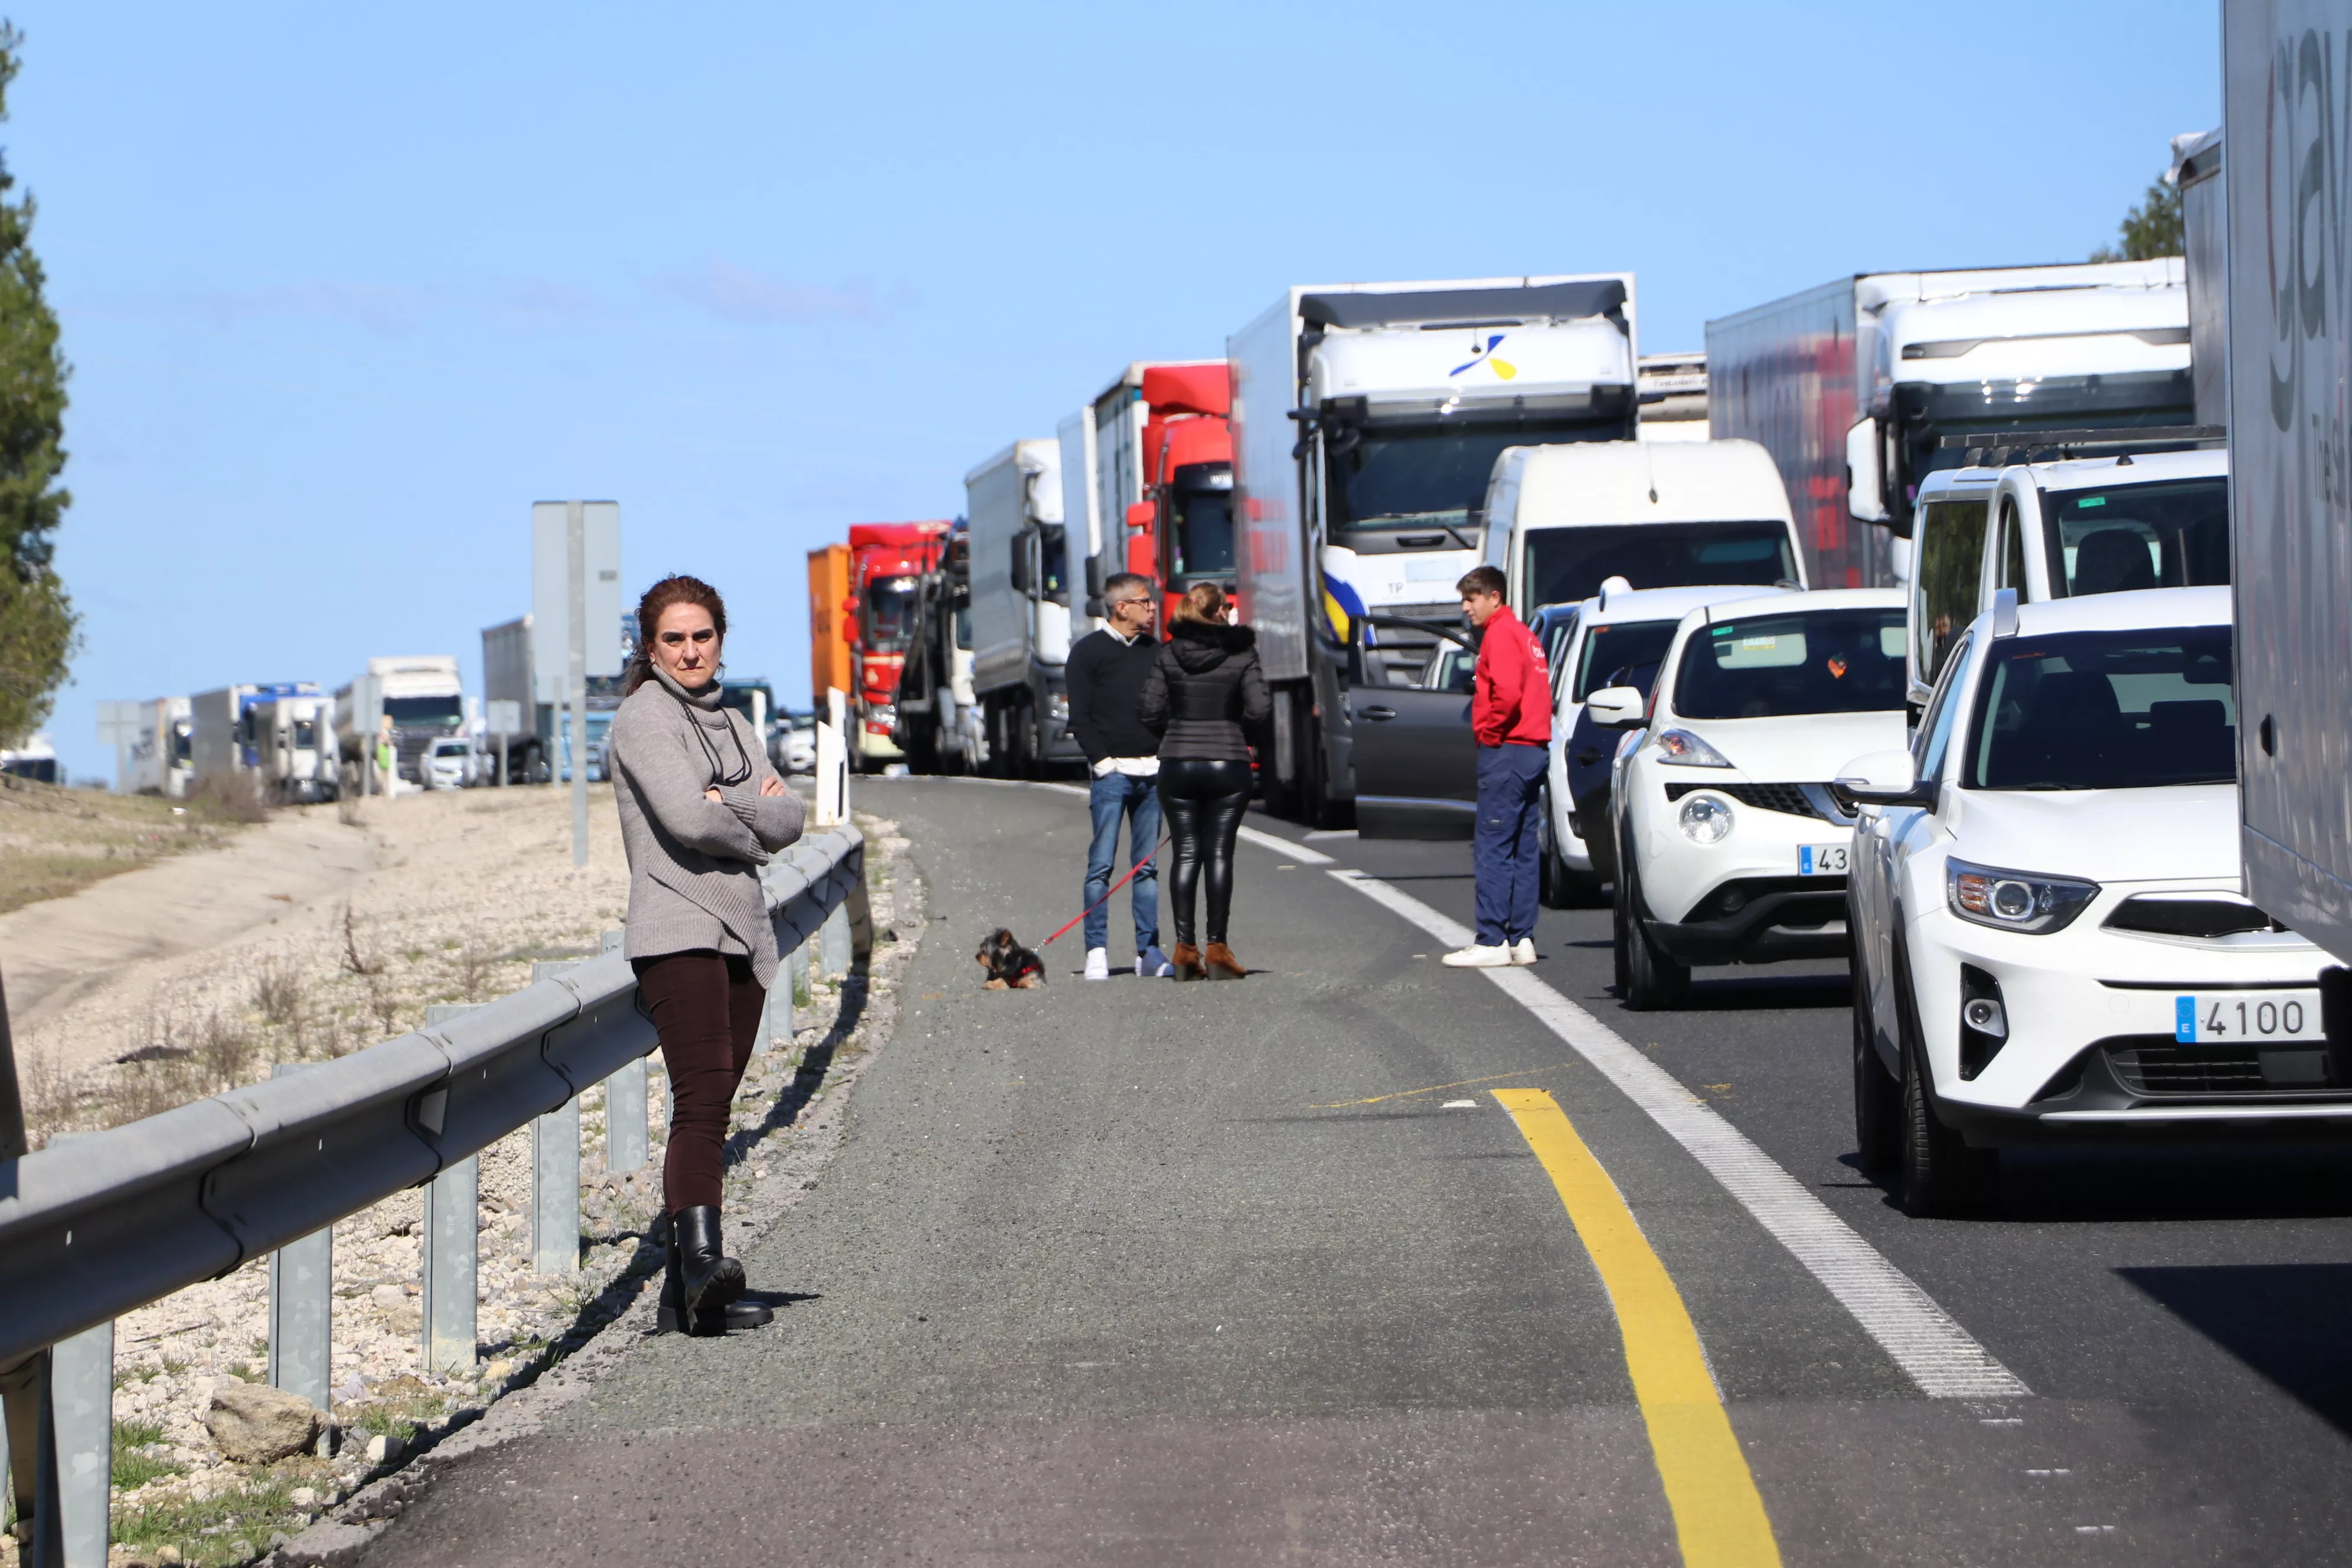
[(1510, 704)]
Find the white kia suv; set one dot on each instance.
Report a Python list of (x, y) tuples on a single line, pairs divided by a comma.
[(2050, 940), (1731, 845)]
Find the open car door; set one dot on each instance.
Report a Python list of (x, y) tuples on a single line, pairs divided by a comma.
[(1416, 760)]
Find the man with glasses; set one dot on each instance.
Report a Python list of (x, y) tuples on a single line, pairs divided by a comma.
[(1105, 675)]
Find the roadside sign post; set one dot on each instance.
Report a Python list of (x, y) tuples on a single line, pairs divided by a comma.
[(575, 576)]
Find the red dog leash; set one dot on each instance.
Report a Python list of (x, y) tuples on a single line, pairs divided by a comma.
[(1114, 888)]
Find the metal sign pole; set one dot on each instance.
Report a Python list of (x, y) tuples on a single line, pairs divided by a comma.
[(576, 677)]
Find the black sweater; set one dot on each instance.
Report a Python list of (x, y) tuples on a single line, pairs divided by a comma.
[(1104, 680), (1206, 683)]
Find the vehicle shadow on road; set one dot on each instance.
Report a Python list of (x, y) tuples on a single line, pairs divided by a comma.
[(2177, 1183), (1760, 993), (2284, 1321)]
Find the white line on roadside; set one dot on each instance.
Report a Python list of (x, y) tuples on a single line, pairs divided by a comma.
[(1940, 1356), (1281, 846)]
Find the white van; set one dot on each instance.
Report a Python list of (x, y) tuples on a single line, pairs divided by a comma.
[(2060, 529), (1562, 520)]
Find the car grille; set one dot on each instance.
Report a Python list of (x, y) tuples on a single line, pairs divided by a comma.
[(1815, 801), (2155, 1065), (2190, 917)]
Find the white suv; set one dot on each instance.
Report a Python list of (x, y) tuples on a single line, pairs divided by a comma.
[(1731, 845), (2050, 942)]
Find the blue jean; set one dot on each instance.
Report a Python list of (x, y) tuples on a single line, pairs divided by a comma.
[(1112, 796), (1510, 792)]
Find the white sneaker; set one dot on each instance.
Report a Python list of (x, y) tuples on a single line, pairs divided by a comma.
[(1476, 957), (1523, 951), (1099, 964)]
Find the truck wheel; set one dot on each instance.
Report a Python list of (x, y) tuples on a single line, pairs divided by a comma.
[(1942, 1176), (1653, 980), (1026, 763), (1877, 1096)]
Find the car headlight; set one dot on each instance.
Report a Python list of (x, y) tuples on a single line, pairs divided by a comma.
[(2015, 900), (1705, 819), (1685, 749)]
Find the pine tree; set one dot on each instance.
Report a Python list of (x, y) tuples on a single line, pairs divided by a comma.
[(37, 623), (2149, 230)]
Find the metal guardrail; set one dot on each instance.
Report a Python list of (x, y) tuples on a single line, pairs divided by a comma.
[(93, 1230)]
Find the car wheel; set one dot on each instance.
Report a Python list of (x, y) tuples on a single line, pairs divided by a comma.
[(1878, 1097), (1942, 1176), (1653, 980)]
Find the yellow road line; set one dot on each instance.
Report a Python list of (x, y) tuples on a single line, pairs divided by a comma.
[(1720, 1517), (1432, 1088)]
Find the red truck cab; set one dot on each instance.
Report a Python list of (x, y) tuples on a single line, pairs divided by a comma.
[(888, 562), (1181, 532)]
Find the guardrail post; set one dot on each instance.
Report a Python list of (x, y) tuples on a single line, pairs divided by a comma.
[(626, 1144), (555, 1176), (451, 1234), (81, 1404), (301, 1309), (834, 938), (449, 1242)]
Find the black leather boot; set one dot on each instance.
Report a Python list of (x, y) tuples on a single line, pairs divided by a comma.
[(670, 1316), (709, 1277)]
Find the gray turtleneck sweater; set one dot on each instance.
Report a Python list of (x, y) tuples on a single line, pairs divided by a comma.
[(693, 883)]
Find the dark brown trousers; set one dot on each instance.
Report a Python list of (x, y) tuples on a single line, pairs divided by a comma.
[(706, 1007)]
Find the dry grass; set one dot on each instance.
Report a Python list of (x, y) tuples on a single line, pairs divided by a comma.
[(55, 840), (226, 800)]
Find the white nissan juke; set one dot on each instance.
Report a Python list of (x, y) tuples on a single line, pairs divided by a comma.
[(1731, 845), (2050, 939)]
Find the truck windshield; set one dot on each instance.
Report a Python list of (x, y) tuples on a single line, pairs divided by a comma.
[(1928, 412), (1430, 476), (2106, 710), (1562, 564), (1205, 531), (2168, 535), (448, 712), (889, 608), (1775, 667), (1627, 654)]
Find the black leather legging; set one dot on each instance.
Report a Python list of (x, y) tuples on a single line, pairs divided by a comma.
[(1203, 803)]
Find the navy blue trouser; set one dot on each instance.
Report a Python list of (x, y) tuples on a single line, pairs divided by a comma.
[(1510, 792)]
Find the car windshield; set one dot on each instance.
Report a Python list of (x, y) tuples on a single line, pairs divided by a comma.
[(1775, 667), (1569, 564), (1626, 653), (2105, 711), (1432, 476), (2169, 535), (888, 604)]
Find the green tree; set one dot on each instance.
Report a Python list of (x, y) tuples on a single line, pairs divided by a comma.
[(2149, 230), (38, 625)]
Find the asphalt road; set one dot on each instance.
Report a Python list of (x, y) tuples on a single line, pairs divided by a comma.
[(1149, 1273)]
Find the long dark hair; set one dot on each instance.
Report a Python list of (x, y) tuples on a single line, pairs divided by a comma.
[(671, 590)]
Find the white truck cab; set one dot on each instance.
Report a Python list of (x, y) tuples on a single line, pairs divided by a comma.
[(2060, 529)]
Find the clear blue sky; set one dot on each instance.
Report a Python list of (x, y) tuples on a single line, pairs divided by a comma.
[(346, 288)]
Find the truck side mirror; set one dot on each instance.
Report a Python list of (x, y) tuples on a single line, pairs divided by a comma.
[(1865, 484), (1142, 515), (1020, 563)]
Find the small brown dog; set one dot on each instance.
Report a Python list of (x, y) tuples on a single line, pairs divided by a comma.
[(1009, 965)]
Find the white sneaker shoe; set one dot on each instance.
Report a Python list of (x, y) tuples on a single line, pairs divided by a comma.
[(1476, 957), (1523, 951), (1099, 964)]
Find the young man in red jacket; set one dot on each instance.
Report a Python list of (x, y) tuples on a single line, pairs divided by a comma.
[(1511, 713)]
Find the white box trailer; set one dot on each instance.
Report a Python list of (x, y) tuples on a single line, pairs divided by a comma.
[(1366, 421), (2290, 219), (153, 745), (1861, 387), (1021, 606)]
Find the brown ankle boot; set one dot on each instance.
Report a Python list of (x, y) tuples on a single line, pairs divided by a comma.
[(1219, 961), (1184, 964)]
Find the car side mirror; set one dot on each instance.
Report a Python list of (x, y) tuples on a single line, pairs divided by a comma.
[(1865, 490), (1886, 778), (1619, 708)]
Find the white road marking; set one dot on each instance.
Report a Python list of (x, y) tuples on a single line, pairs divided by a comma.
[(1275, 841), (1940, 1356)]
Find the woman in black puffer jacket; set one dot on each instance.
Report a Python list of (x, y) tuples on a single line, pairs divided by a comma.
[(1204, 685)]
